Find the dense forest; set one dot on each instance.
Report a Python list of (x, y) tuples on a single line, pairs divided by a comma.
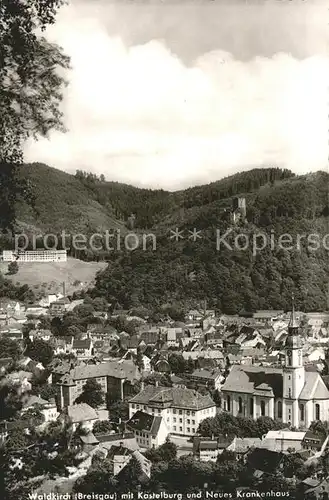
[(187, 271)]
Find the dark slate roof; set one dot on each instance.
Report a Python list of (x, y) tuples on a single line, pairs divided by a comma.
[(144, 422), (177, 397), (122, 370), (82, 344), (264, 460), (255, 379)]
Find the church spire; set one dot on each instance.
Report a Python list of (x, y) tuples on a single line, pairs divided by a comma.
[(293, 324)]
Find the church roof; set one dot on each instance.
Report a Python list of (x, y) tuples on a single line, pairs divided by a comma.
[(268, 381), (255, 380), (293, 339)]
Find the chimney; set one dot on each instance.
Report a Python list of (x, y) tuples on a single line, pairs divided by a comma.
[(156, 383), (142, 385)]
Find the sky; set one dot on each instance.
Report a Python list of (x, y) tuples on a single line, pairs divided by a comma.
[(173, 93)]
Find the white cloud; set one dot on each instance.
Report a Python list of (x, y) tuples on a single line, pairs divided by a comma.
[(140, 115)]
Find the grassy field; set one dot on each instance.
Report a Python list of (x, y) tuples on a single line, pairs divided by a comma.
[(48, 277)]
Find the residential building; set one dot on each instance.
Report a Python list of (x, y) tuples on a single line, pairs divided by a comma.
[(34, 256), (47, 408), (182, 409), (82, 349), (80, 414), (150, 431), (210, 379), (207, 449), (115, 378)]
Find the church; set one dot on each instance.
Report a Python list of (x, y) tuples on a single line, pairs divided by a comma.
[(290, 394)]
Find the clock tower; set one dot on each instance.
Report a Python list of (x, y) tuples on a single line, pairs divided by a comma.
[(293, 371)]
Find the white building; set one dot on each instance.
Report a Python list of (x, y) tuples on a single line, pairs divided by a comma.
[(291, 394), (181, 409), (34, 256), (150, 431), (47, 408)]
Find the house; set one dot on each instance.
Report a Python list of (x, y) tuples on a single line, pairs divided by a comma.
[(284, 440), (150, 431), (81, 414), (21, 379), (314, 442), (42, 334), (144, 463), (4, 364), (210, 379), (59, 307), (116, 378), (291, 393), (47, 408), (241, 446), (264, 461), (82, 349), (182, 409), (208, 449)]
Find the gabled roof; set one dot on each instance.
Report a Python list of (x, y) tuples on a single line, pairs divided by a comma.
[(177, 397), (123, 370), (254, 380), (81, 413), (144, 422)]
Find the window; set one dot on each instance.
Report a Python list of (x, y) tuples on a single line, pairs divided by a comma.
[(181, 429), (168, 419), (180, 412), (137, 406), (251, 406), (317, 412), (174, 419), (174, 427), (302, 412), (228, 403), (262, 408), (193, 413), (133, 406), (174, 411), (279, 409), (188, 412), (188, 429), (193, 422), (240, 405), (188, 421), (193, 430), (180, 420), (289, 393)]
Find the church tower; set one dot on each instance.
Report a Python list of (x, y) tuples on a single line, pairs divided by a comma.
[(293, 372)]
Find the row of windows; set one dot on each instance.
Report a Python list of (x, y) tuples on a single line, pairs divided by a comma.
[(158, 410), (188, 430), (141, 434), (279, 408)]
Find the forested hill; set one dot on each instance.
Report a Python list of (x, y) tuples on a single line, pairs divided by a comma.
[(232, 280), (190, 271)]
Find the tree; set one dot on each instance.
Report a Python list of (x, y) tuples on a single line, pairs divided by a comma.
[(40, 350), (98, 480), (165, 453), (13, 267), (119, 410), (9, 348), (102, 427), (139, 359), (92, 394), (31, 92), (131, 476)]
